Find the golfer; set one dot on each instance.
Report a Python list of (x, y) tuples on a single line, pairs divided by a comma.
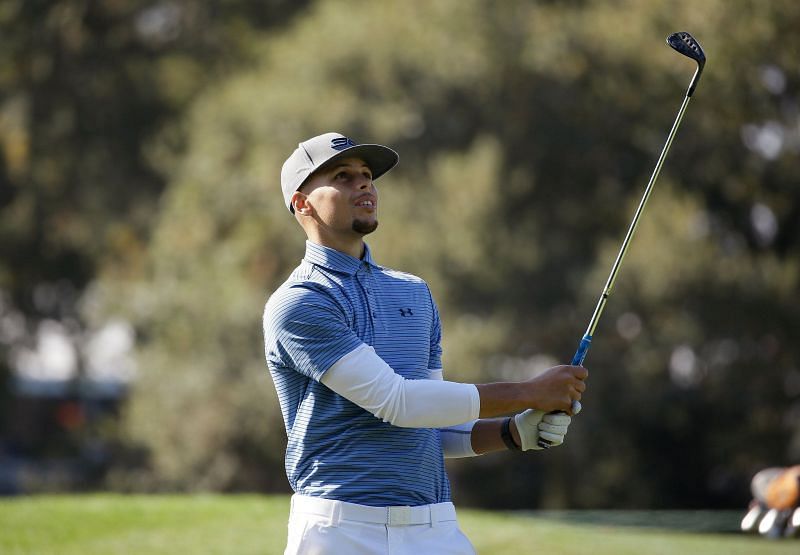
[(354, 351)]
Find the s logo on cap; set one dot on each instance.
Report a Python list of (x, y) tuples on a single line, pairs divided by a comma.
[(341, 143)]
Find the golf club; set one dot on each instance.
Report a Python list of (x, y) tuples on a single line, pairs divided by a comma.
[(685, 44)]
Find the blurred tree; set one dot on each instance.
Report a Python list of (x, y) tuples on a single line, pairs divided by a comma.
[(84, 87), (526, 133)]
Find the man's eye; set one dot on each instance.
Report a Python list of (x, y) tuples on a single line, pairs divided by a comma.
[(340, 175)]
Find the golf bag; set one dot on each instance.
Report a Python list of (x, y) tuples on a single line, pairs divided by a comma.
[(775, 509)]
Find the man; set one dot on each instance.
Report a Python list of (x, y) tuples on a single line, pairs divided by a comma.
[(354, 351)]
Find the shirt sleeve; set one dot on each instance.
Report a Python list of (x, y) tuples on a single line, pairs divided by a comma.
[(365, 379), (456, 440), (306, 329), (435, 359)]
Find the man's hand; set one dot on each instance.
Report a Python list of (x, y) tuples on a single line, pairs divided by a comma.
[(533, 424), (557, 387)]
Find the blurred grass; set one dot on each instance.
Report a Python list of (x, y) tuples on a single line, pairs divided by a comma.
[(243, 524)]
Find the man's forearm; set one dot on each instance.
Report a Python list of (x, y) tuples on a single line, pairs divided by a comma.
[(501, 398), (486, 435)]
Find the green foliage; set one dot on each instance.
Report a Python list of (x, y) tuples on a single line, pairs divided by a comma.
[(86, 86)]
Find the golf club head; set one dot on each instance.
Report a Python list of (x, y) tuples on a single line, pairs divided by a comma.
[(793, 526), (685, 43), (753, 517), (770, 525)]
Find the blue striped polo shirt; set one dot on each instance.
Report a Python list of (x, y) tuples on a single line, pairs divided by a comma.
[(330, 305)]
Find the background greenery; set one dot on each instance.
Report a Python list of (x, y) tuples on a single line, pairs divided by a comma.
[(142, 145)]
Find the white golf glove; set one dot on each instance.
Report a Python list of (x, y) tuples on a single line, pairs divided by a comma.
[(533, 424)]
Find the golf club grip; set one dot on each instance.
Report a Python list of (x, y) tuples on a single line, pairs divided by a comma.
[(577, 360), (583, 348)]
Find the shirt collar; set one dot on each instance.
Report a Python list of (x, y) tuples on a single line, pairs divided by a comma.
[(335, 260)]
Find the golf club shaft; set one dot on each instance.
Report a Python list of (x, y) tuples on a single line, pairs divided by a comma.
[(580, 354), (586, 341)]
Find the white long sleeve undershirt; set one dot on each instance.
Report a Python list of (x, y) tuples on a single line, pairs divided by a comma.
[(364, 378), (456, 440)]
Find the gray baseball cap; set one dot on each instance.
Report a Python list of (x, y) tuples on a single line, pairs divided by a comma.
[(323, 150)]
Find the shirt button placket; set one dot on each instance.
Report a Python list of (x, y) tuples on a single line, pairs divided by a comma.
[(369, 287), (375, 307), (364, 281)]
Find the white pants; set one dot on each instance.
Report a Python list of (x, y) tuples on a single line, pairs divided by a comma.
[(324, 527)]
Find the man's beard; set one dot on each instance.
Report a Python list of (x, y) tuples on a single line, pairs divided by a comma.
[(363, 227)]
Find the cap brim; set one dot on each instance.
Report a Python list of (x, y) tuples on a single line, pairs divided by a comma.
[(379, 158)]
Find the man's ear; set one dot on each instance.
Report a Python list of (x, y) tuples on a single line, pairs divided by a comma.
[(300, 203)]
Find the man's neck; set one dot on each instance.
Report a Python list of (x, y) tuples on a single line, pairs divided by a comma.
[(354, 248)]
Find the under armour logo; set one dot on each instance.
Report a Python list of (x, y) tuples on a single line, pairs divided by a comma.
[(406, 312), (341, 143)]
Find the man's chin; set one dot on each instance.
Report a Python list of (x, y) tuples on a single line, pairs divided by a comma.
[(365, 227)]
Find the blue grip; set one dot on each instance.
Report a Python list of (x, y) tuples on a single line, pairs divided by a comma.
[(577, 360), (583, 348)]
